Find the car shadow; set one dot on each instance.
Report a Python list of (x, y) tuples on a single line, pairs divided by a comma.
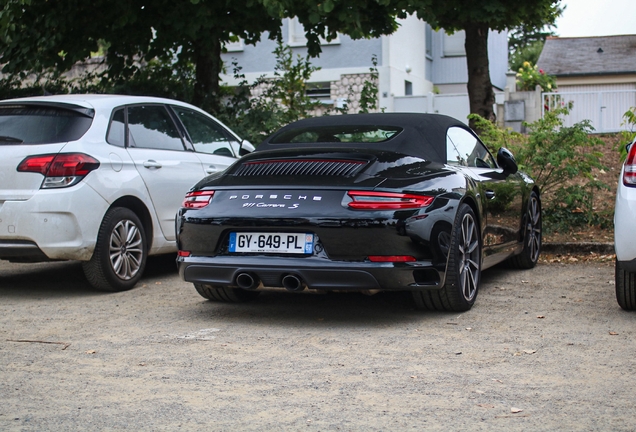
[(308, 309), (339, 308), (65, 278)]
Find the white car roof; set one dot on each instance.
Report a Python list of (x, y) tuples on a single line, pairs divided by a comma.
[(98, 101), (103, 104)]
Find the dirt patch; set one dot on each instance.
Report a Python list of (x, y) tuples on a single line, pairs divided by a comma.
[(544, 349)]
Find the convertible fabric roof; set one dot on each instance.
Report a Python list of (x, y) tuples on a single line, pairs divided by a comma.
[(423, 135)]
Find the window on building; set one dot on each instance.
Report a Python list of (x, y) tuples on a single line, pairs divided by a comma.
[(320, 91), (429, 41), (297, 35), (234, 46), (408, 88), (454, 44)]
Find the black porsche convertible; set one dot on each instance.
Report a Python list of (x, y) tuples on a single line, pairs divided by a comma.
[(367, 202)]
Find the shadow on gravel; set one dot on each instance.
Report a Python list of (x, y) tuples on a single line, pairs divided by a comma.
[(337, 309), (311, 310), (59, 279)]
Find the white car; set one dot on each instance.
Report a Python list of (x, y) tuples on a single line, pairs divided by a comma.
[(624, 234), (99, 178)]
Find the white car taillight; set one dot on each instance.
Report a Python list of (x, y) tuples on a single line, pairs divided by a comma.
[(59, 170), (629, 171)]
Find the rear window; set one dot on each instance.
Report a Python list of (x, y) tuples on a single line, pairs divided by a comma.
[(338, 134), (41, 125)]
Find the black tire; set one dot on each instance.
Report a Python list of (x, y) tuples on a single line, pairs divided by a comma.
[(529, 256), (120, 254), (464, 268), (625, 288), (225, 294)]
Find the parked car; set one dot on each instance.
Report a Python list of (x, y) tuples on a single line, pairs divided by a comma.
[(363, 202), (624, 239), (99, 178)]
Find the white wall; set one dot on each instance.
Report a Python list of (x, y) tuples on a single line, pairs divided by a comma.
[(404, 59), (454, 105)]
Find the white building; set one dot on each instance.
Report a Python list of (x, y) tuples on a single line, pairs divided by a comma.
[(420, 70)]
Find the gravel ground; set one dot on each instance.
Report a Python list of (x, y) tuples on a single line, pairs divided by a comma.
[(546, 349)]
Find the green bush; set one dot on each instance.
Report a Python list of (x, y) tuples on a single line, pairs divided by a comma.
[(561, 161), (282, 99), (627, 136), (530, 76)]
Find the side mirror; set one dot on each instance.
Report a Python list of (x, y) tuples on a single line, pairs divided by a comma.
[(506, 160), (246, 148)]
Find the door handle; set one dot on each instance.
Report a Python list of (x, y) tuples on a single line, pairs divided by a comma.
[(490, 194), (152, 164), (212, 169)]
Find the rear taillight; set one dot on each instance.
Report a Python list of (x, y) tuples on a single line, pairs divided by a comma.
[(629, 170), (197, 199), (59, 170), (391, 258), (371, 200)]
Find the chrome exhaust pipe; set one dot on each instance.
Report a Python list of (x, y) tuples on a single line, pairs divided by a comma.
[(293, 283), (246, 281)]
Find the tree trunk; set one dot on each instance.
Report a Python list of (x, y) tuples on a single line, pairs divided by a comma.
[(208, 67), (480, 93)]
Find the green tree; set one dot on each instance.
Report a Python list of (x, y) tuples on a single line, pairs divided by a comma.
[(476, 19), (255, 110), (525, 43), (40, 34), (529, 53)]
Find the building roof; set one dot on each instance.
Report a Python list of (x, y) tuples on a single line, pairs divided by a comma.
[(602, 55)]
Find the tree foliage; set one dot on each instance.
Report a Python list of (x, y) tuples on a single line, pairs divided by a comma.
[(476, 19), (255, 110), (40, 34), (525, 43)]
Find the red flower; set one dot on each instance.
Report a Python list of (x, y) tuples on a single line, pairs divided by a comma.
[(541, 71)]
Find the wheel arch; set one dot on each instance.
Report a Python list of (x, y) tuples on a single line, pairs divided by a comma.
[(139, 208), (472, 203)]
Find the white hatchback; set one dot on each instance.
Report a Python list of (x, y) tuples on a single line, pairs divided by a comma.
[(99, 178), (624, 234)]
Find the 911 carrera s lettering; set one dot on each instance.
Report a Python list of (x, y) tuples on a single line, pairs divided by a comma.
[(268, 205), (302, 243)]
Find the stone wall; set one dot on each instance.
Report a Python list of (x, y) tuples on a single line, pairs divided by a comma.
[(345, 90)]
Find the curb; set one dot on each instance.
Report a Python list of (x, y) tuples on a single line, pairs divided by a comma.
[(578, 248)]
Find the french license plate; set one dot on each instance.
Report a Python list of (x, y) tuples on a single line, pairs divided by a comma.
[(293, 243)]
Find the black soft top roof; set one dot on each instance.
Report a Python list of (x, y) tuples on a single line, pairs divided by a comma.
[(423, 135)]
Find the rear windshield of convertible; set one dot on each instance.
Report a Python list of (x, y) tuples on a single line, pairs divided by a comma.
[(338, 134)]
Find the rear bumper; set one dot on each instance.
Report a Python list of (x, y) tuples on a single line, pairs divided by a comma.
[(316, 273), (59, 224), (21, 251)]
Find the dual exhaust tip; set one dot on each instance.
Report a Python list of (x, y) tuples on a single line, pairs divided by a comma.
[(248, 281)]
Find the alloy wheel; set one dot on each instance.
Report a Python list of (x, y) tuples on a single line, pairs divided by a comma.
[(125, 249), (533, 228), (469, 260)]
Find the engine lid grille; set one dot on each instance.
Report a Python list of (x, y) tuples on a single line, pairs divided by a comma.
[(300, 167)]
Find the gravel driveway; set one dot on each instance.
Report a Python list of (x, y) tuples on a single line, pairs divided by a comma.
[(546, 349)]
